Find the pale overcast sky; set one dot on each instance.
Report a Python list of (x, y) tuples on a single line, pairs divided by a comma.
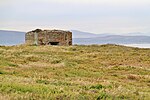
[(97, 16)]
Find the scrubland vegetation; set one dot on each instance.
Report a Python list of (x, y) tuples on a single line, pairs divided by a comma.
[(108, 72)]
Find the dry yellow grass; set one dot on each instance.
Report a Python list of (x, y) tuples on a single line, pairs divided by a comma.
[(74, 72)]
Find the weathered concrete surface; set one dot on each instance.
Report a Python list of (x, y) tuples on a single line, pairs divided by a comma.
[(49, 37)]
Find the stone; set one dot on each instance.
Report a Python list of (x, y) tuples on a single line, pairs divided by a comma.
[(49, 37)]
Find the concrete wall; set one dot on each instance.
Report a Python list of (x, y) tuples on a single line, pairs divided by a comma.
[(49, 37)]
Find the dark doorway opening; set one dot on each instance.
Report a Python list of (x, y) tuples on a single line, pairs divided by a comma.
[(53, 43)]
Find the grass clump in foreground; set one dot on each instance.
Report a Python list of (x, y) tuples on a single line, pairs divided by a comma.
[(74, 72)]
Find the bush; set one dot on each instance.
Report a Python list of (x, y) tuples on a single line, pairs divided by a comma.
[(99, 86)]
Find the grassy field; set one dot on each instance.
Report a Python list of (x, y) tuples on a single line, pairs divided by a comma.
[(108, 72)]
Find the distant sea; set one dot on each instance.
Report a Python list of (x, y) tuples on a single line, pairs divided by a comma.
[(11, 43), (138, 45)]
